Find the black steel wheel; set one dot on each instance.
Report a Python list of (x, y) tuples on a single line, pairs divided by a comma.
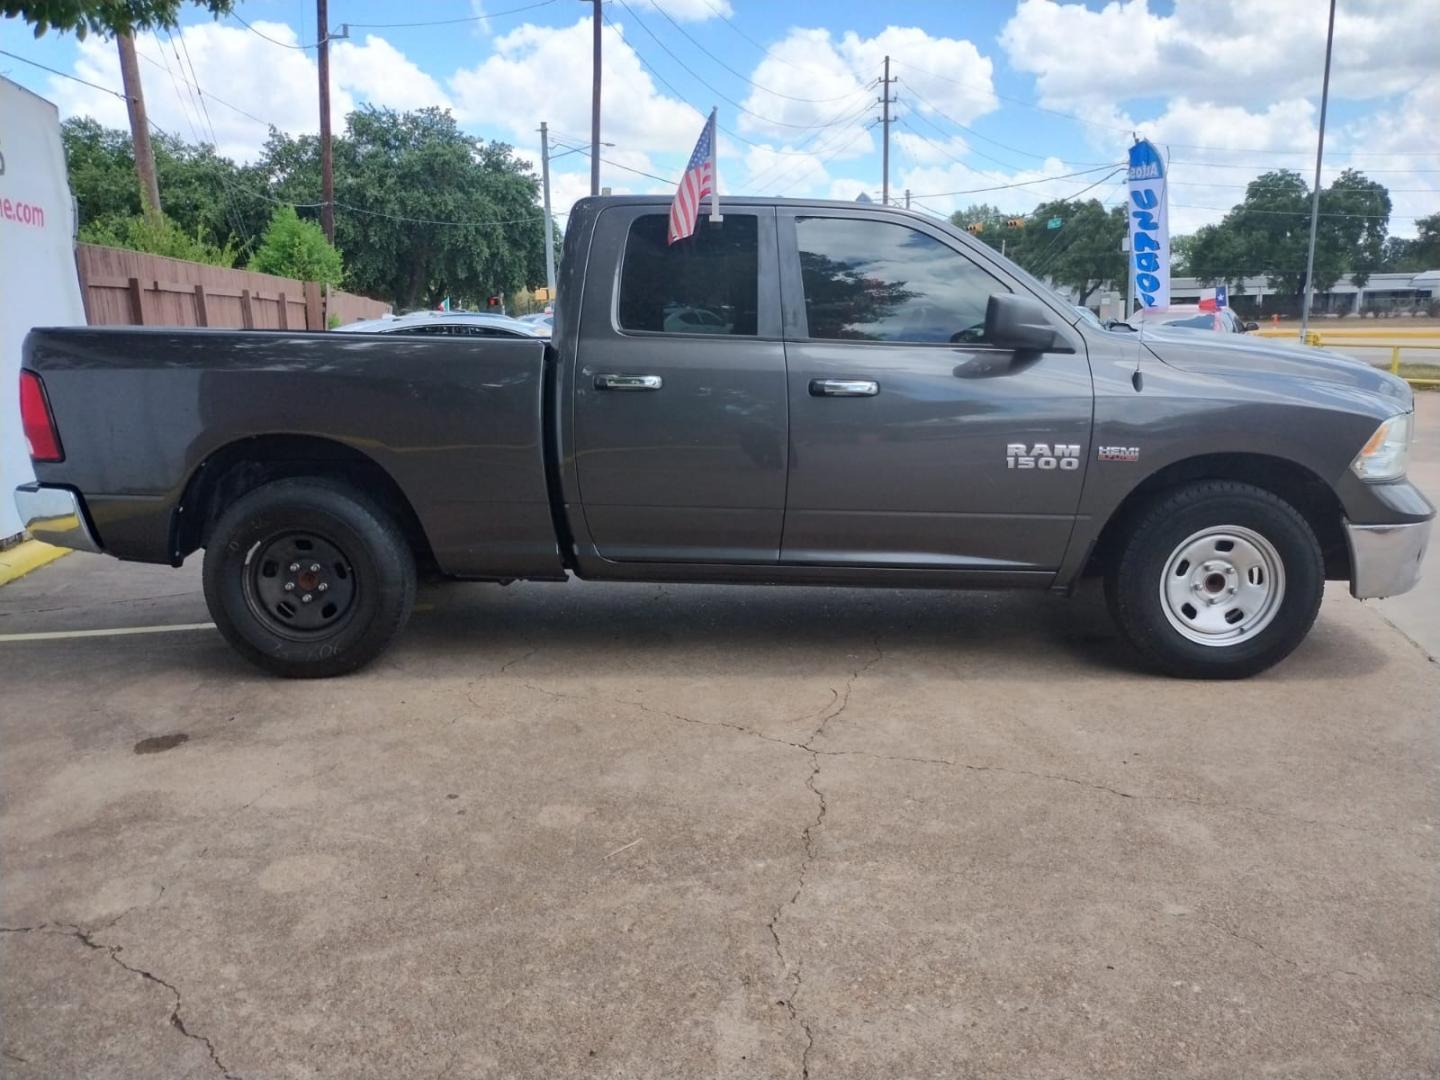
[(308, 578)]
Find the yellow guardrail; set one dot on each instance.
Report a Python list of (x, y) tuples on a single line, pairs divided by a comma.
[(1419, 339)]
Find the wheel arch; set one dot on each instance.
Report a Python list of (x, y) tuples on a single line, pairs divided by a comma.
[(1298, 485), (241, 466)]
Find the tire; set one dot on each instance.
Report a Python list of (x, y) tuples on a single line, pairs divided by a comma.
[(293, 539), (1216, 580)]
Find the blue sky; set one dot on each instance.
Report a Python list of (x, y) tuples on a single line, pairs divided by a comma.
[(1008, 95)]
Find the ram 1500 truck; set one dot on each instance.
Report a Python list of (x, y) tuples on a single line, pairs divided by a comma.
[(804, 393)]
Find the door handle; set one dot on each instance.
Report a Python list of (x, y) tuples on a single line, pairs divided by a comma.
[(844, 387), (628, 382)]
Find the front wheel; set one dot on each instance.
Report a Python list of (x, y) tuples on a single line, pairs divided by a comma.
[(308, 578), (1216, 580)]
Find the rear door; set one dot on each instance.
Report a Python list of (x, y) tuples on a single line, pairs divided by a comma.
[(913, 442), (680, 421)]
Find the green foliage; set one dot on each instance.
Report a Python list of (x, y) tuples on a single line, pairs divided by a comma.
[(1421, 253), (1083, 253), (107, 17), (156, 236), (297, 249), (389, 167), (1269, 231)]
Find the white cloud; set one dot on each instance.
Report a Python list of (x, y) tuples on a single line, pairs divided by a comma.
[(1225, 51), (380, 73), (543, 73), (1390, 142), (248, 83), (689, 10), (809, 78), (226, 61)]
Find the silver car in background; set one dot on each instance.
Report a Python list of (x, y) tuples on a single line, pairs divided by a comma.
[(451, 323)]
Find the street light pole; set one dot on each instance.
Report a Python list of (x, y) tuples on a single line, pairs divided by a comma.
[(549, 225), (327, 166), (1315, 195)]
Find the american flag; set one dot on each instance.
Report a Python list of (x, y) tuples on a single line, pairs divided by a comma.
[(698, 182)]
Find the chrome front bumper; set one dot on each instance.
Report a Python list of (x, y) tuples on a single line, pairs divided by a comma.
[(1385, 559), (55, 515)]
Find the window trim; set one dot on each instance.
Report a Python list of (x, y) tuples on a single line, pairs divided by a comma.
[(767, 313), (796, 318)]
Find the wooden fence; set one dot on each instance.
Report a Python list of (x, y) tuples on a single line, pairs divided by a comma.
[(131, 288)]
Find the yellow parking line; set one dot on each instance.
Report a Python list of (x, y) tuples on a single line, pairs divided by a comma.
[(25, 556), (120, 631)]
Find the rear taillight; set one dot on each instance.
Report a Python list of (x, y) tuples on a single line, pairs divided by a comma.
[(37, 420)]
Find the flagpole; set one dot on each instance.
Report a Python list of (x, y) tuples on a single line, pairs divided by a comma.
[(714, 168)]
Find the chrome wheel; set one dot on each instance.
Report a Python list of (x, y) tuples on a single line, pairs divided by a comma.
[(1222, 585)]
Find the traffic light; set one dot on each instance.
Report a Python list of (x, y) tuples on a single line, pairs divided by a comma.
[(975, 228), (1015, 223), (494, 301)]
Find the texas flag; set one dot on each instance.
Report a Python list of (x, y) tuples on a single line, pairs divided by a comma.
[(1214, 299)]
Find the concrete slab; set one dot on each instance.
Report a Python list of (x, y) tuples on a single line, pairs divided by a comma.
[(636, 831)]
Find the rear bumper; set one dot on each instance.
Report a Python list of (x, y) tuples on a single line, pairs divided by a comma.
[(1385, 559), (56, 516)]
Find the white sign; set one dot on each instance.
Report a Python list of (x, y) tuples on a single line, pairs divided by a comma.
[(1149, 226), (38, 282)]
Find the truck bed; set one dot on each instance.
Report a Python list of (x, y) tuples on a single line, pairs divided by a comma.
[(456, 422)]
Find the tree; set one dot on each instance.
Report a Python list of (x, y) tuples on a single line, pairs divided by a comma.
[(297, 249), (1400, 254), (1269, 232), (157, 236), (107, 17), (424, 211), (1083, 253)]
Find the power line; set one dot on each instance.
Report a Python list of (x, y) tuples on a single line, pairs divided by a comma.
[(679, 96), (777, 170), (450, 22), (267, 37), (1018, 183), (985, 138), (765, 50), (63, 74), (219, 101), (740, 75), (991, 91), (616, 164), (691, 72)]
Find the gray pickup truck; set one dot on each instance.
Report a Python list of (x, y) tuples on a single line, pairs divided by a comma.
[(805, 393)]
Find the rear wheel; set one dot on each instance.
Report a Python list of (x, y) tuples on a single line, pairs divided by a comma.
[(308, 578), (1216, 579)]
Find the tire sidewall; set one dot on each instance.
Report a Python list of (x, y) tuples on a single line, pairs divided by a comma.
[(1141, 572), (384, 576)]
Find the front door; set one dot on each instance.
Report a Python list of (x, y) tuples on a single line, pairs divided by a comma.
[(680, 421), (913, 443)]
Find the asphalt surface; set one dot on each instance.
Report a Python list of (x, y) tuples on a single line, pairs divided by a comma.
[(633, 831)]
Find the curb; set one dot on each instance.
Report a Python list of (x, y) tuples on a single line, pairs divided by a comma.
[(26, 556)]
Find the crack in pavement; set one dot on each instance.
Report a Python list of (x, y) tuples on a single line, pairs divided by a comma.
[(1305, 969), (839, 702), (87, 938)]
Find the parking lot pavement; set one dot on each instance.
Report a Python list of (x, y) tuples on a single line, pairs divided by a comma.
[(634, 831)]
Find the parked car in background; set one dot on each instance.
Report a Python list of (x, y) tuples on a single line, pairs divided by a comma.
[(542, 319), (455, 324), (1193, 317)]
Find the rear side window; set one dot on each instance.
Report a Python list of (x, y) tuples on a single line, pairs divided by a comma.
[(881, 281), (708, 283)]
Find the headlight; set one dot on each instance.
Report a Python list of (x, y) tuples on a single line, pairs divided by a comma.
[(1385, 455)]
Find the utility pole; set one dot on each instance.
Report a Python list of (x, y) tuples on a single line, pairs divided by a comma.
[(1315, 195), (549, 225), (139, 126), (907, 198), (595, 104), (885, 100), (327, 173)]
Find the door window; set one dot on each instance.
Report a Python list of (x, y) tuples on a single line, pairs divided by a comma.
[(882, 281), (708, 283)]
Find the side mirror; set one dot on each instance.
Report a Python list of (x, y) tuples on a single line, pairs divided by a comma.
[(1019, 323), (1251, 326)]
